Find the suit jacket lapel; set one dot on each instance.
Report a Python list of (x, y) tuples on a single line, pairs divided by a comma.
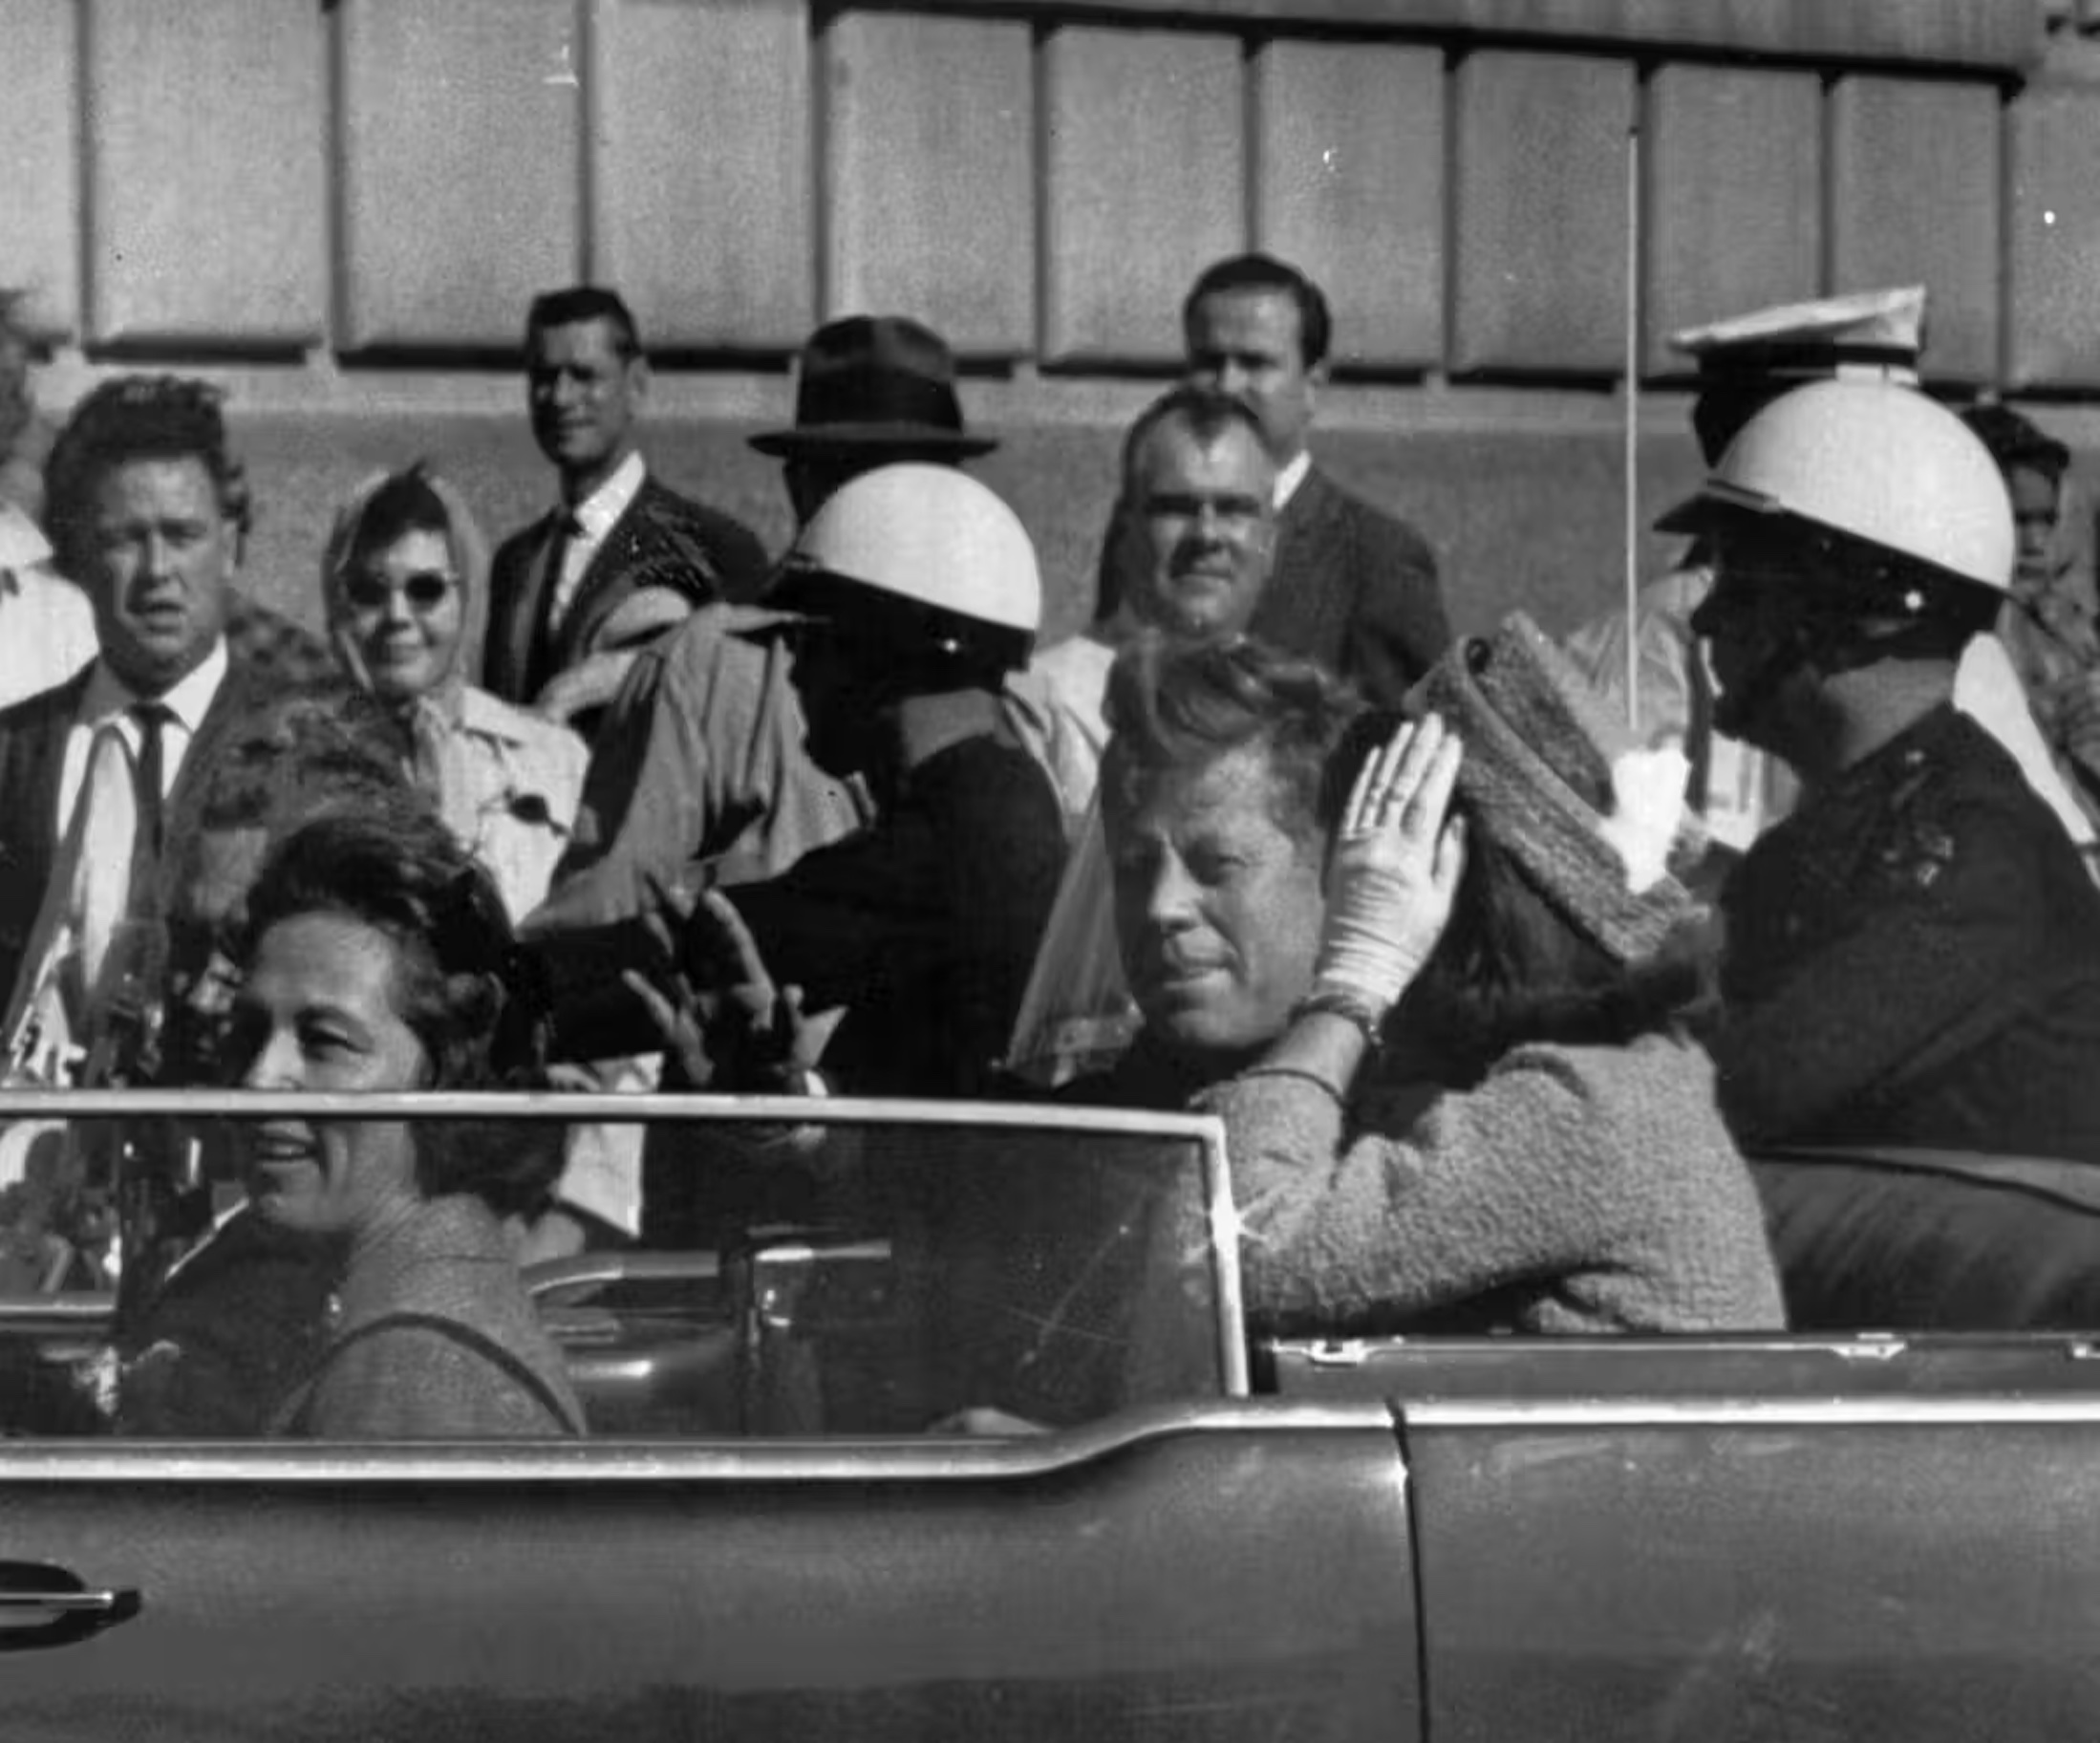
[(38, 774), (598, 589), (237, 691), (233, 702), (33, 760), (1305, 607), (525, 590)]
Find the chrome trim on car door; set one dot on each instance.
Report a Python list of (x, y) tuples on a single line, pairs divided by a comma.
[(918, 1459), (1757, 1413)]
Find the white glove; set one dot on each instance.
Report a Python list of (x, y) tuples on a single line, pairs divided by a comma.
[(1393, 872)]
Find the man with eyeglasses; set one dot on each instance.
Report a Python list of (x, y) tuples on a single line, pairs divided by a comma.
[(1194, 544), (1352, 586), (1193, 537)]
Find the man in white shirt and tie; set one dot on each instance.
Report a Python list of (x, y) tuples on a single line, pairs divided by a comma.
[(620, 559), (147, 505)]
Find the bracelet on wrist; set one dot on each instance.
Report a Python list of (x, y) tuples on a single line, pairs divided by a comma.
[(1299, 1074), (1359, 1009)]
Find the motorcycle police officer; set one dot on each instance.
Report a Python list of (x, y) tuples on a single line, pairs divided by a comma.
[(1914, 955)]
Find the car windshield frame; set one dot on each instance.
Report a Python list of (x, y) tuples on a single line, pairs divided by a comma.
[(21, 1314)]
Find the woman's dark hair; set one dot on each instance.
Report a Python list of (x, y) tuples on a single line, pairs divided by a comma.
[(463, 985), (405, 504), (1510, 970), (298, 751), (294, 754), (2016, 441)]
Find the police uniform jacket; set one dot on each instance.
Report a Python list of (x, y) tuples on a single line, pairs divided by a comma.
[(924, 927), (1913, 957)]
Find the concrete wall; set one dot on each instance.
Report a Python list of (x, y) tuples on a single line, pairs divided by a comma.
[(341, 210)]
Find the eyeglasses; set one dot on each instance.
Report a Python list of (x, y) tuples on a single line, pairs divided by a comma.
[(425, 590), (1231, 508)]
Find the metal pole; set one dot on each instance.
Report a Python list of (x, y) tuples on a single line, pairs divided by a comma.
[(1632, 459)]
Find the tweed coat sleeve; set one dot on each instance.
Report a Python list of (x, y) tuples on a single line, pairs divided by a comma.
[(1340, 1223), (1604, 1161), (407, 1382)]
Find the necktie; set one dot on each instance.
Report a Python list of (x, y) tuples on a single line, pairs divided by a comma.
[(153, 720), (105, 851), (559, 597)]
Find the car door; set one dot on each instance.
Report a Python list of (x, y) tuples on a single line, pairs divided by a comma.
[(771, 1543), (1807, 1537)]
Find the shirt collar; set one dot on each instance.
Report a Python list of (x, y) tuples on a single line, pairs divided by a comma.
[(491, 717), (189, 700), (605, 505), (22, 543), (1292, 477)]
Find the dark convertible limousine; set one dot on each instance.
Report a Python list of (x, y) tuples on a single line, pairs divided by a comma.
[(973, 1444)]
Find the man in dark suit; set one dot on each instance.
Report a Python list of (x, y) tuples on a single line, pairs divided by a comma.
[(1351, 586), (146, 506), (619, 560)]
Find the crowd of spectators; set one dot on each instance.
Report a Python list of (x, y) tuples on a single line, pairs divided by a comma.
[(1493, 971)]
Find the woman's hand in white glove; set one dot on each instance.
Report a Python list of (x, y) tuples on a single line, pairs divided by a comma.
[(1393, 873)]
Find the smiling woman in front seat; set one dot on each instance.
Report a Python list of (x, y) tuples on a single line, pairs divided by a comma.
[(379, 959)]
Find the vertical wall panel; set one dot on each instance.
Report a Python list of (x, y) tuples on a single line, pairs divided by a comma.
[(1541, 219), (930, 201), (1348, 178), (39, 145), (2054, 320), (1914, 199), (701, 169), (1146, 167), (1734, 176), (460, 170), (208, 196)]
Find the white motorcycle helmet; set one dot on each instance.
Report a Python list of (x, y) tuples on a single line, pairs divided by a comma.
[(929, 537), (1882, 465)]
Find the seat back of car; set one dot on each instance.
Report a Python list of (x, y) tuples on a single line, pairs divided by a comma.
[(1915, 1240)]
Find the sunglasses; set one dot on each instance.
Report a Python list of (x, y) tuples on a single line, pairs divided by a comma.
[(425, 590)]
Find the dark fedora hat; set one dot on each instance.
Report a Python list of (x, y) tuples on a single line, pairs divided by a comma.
[(875, 381)]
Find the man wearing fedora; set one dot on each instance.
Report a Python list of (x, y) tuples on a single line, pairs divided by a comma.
[(700, 757), (619, 558), (872, 389)]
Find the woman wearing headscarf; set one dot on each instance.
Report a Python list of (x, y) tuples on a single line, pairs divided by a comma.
[(405, 581)]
